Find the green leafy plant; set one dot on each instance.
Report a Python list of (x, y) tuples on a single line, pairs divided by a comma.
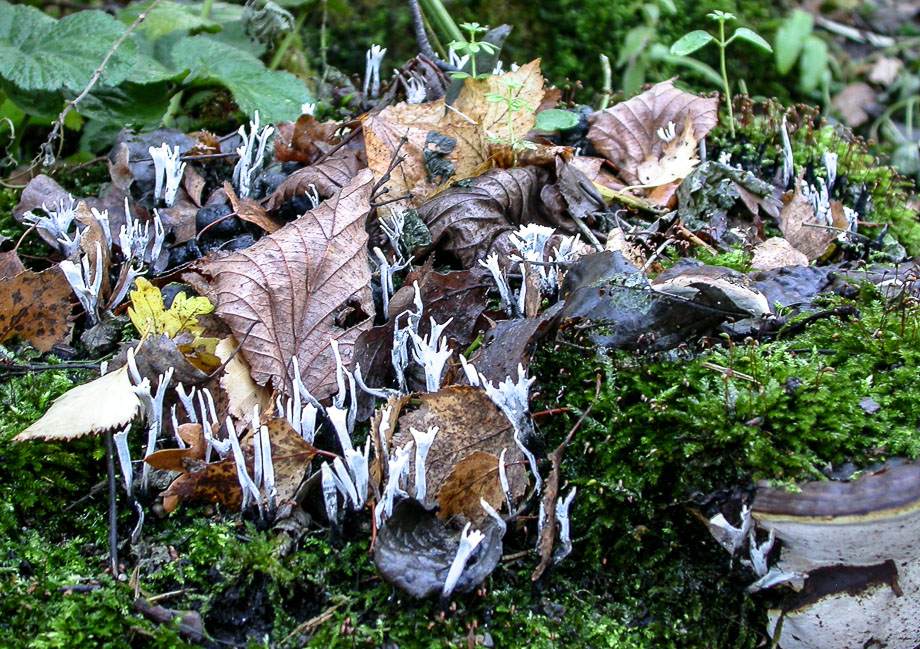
[(514, 105), (698, 39), (472, 47), (126, 71), (795, 41)]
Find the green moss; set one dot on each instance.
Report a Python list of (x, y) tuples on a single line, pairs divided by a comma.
[(736, 258)]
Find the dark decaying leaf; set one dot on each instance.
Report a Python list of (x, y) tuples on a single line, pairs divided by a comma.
[(470, 222), (415, 549), (10, 264), (178, 459), (474, 477), (294, 290), (627, 133), (328, 177), (41, 190), (507, 345), (573, 192), (467, 422), (608, 302), (159, 353), (37, 306), (458, 296)]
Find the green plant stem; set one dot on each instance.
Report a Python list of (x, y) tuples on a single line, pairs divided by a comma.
[(206, 9), (173, 108), (433, 37), (323, 50), (441, 17), (606, 80), (728, 92), (288, 39)]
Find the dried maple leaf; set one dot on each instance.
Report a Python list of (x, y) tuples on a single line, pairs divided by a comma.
[(94, 407), (474, 477), (291, 292), (467, 421), (797, 222), (627, 134), (37, 307)]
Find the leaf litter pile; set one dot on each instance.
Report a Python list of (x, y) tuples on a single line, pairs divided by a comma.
[(340, 320)]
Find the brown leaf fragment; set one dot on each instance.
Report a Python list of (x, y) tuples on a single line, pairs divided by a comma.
[(294, 290), (242, 392), (509, 344), (10, 264), (41, 190), (676, 161), (176, 459), (250, 210), (471, 222), (777, 252), (474, 477), (327, 177), (159, 353), (627, 133), (217, 482), (194, 183), (94, 407), (797, 222), (854, 102), (291, 457), (467, 421), (36, 306)]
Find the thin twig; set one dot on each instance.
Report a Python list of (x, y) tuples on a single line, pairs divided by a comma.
[(113, 506), (45, 151)]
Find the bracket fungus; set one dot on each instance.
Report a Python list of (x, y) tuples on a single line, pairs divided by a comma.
[(855, 544)]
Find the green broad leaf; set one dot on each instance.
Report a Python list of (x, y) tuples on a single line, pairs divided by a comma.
[(690, 43), (751, 37), (130, 104), (278, 96), (659, 52), (555, 119), (790, 37), (634, 75), (813, 63), (43, 104), (166, 17), (40, 53), (635, 41)]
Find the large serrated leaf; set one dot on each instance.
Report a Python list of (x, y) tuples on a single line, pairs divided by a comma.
[(164, 18), (40, 53), (278, 96)]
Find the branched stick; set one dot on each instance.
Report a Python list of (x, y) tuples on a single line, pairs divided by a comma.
[(551, 493), (45, 152)]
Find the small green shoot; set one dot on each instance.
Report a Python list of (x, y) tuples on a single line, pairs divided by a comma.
[(698, 39), (515, 105), (472, 47)]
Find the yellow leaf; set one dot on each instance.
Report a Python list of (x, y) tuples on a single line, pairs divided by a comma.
[(150, 316), (678, 159)]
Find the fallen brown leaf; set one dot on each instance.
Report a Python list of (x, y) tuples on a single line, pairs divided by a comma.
[(175, 459), (291, 457), (470, 222), (36, 306), (777, 252), (796, 221), (468, 422), (294, 290), (242, 392), (627, 133), (327, 177), (217, 482), (474, 477), (250, 210), (10, 264)]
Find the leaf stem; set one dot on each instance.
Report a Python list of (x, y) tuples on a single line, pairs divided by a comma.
[(206, 9), (288, 39), (441, 16)]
